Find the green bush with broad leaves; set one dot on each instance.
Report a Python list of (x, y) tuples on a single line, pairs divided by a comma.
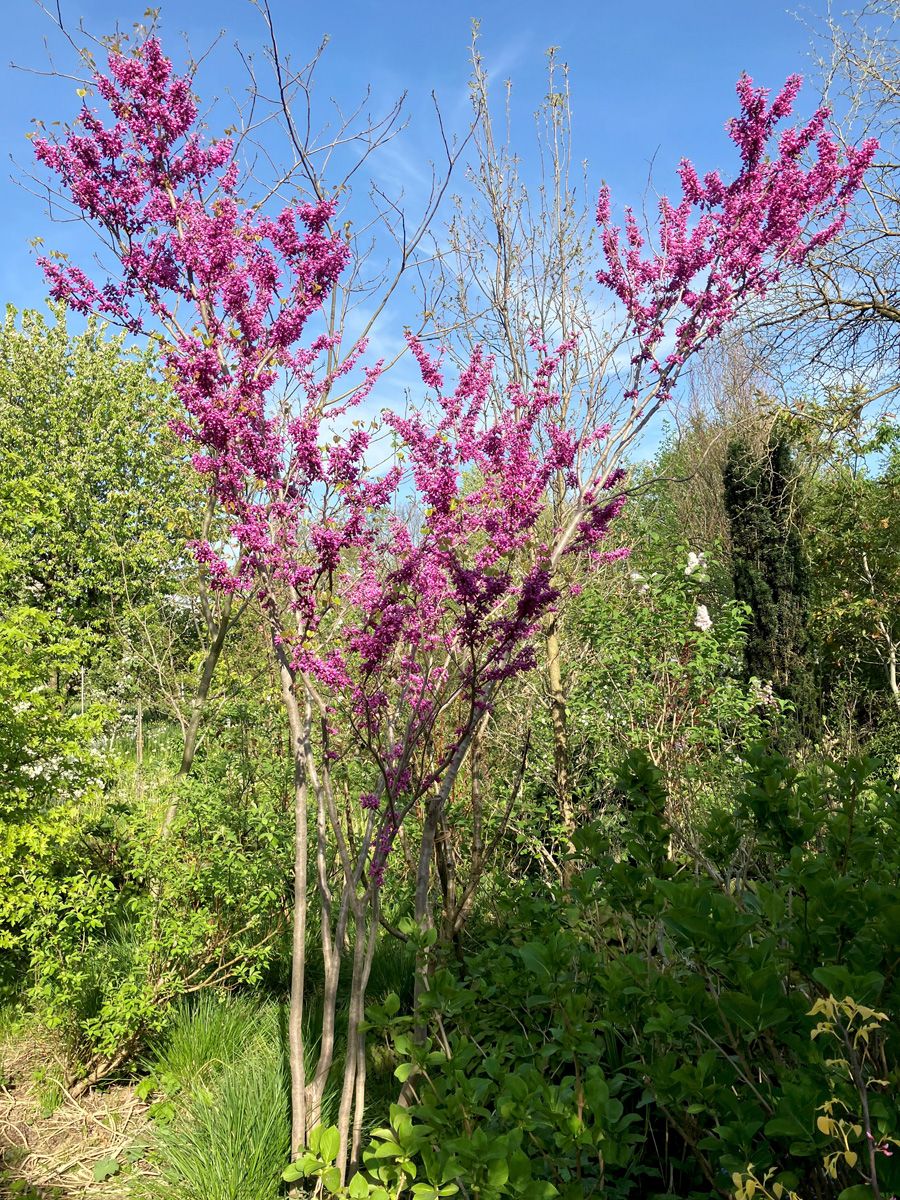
[(673, 1027), (148, 918), (654, 660), (52, 779)]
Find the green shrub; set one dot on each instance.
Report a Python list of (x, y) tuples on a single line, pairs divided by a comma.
[(137, 919), (659, 1026), (655, 662)]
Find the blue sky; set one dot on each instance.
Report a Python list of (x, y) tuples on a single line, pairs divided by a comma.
[(648, 78), (650, 82)]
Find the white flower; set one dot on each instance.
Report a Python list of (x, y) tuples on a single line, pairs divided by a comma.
[(695, 562), (703, 621), (762, 693), (637, 577)]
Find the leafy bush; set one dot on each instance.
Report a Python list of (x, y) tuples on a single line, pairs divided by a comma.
[(665, 1023), (139, 919), (52, 780), (656, 663)]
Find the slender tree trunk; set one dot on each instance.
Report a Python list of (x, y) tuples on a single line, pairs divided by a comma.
[(334, 933), (424, 919), (299, 728), (332, 952), (355, 1060), (446, 869), (559, 724), (457, 898), (139, 748), (359, 1098), (892, 673), (217, 631), (481, 852), (198, 705), (435, 804), (298, 973)]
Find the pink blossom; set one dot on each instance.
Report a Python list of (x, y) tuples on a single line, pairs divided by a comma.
[(723, 244), (393, 623)]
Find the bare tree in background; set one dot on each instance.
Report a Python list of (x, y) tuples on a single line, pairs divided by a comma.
[(518, 269), (731, 395)]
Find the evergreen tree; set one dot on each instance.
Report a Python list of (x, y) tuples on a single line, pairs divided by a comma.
[(770, 572)]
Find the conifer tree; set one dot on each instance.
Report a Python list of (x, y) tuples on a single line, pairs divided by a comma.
[(770, 572)]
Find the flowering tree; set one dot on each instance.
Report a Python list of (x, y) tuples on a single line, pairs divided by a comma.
[(522, 259), (388, 630)]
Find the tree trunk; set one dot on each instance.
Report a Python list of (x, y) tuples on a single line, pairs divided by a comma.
[(424, 920), (299, 725), (892, 673), (359, 1099), (559, 726), (332, 952), (353, 1090), (139, 749), (139, 735), (198, 706)]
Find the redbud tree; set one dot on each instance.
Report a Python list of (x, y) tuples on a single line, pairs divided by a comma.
[(521, 255), (401, 598)]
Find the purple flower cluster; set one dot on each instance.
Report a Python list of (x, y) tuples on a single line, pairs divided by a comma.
[(408, 627), (725, 243)]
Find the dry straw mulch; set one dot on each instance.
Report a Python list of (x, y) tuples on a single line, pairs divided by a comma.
[(54, 1156)]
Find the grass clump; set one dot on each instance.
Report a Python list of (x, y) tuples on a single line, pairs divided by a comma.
[(209, 1033), (222, 1123), (231, 1139)]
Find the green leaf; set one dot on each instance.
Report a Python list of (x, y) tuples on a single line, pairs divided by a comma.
[(498, 1172), (424, 1191), (302, 1167), (332, 1179), (105, 1169), (534, 956), (388, 1149), (330, 1144)]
